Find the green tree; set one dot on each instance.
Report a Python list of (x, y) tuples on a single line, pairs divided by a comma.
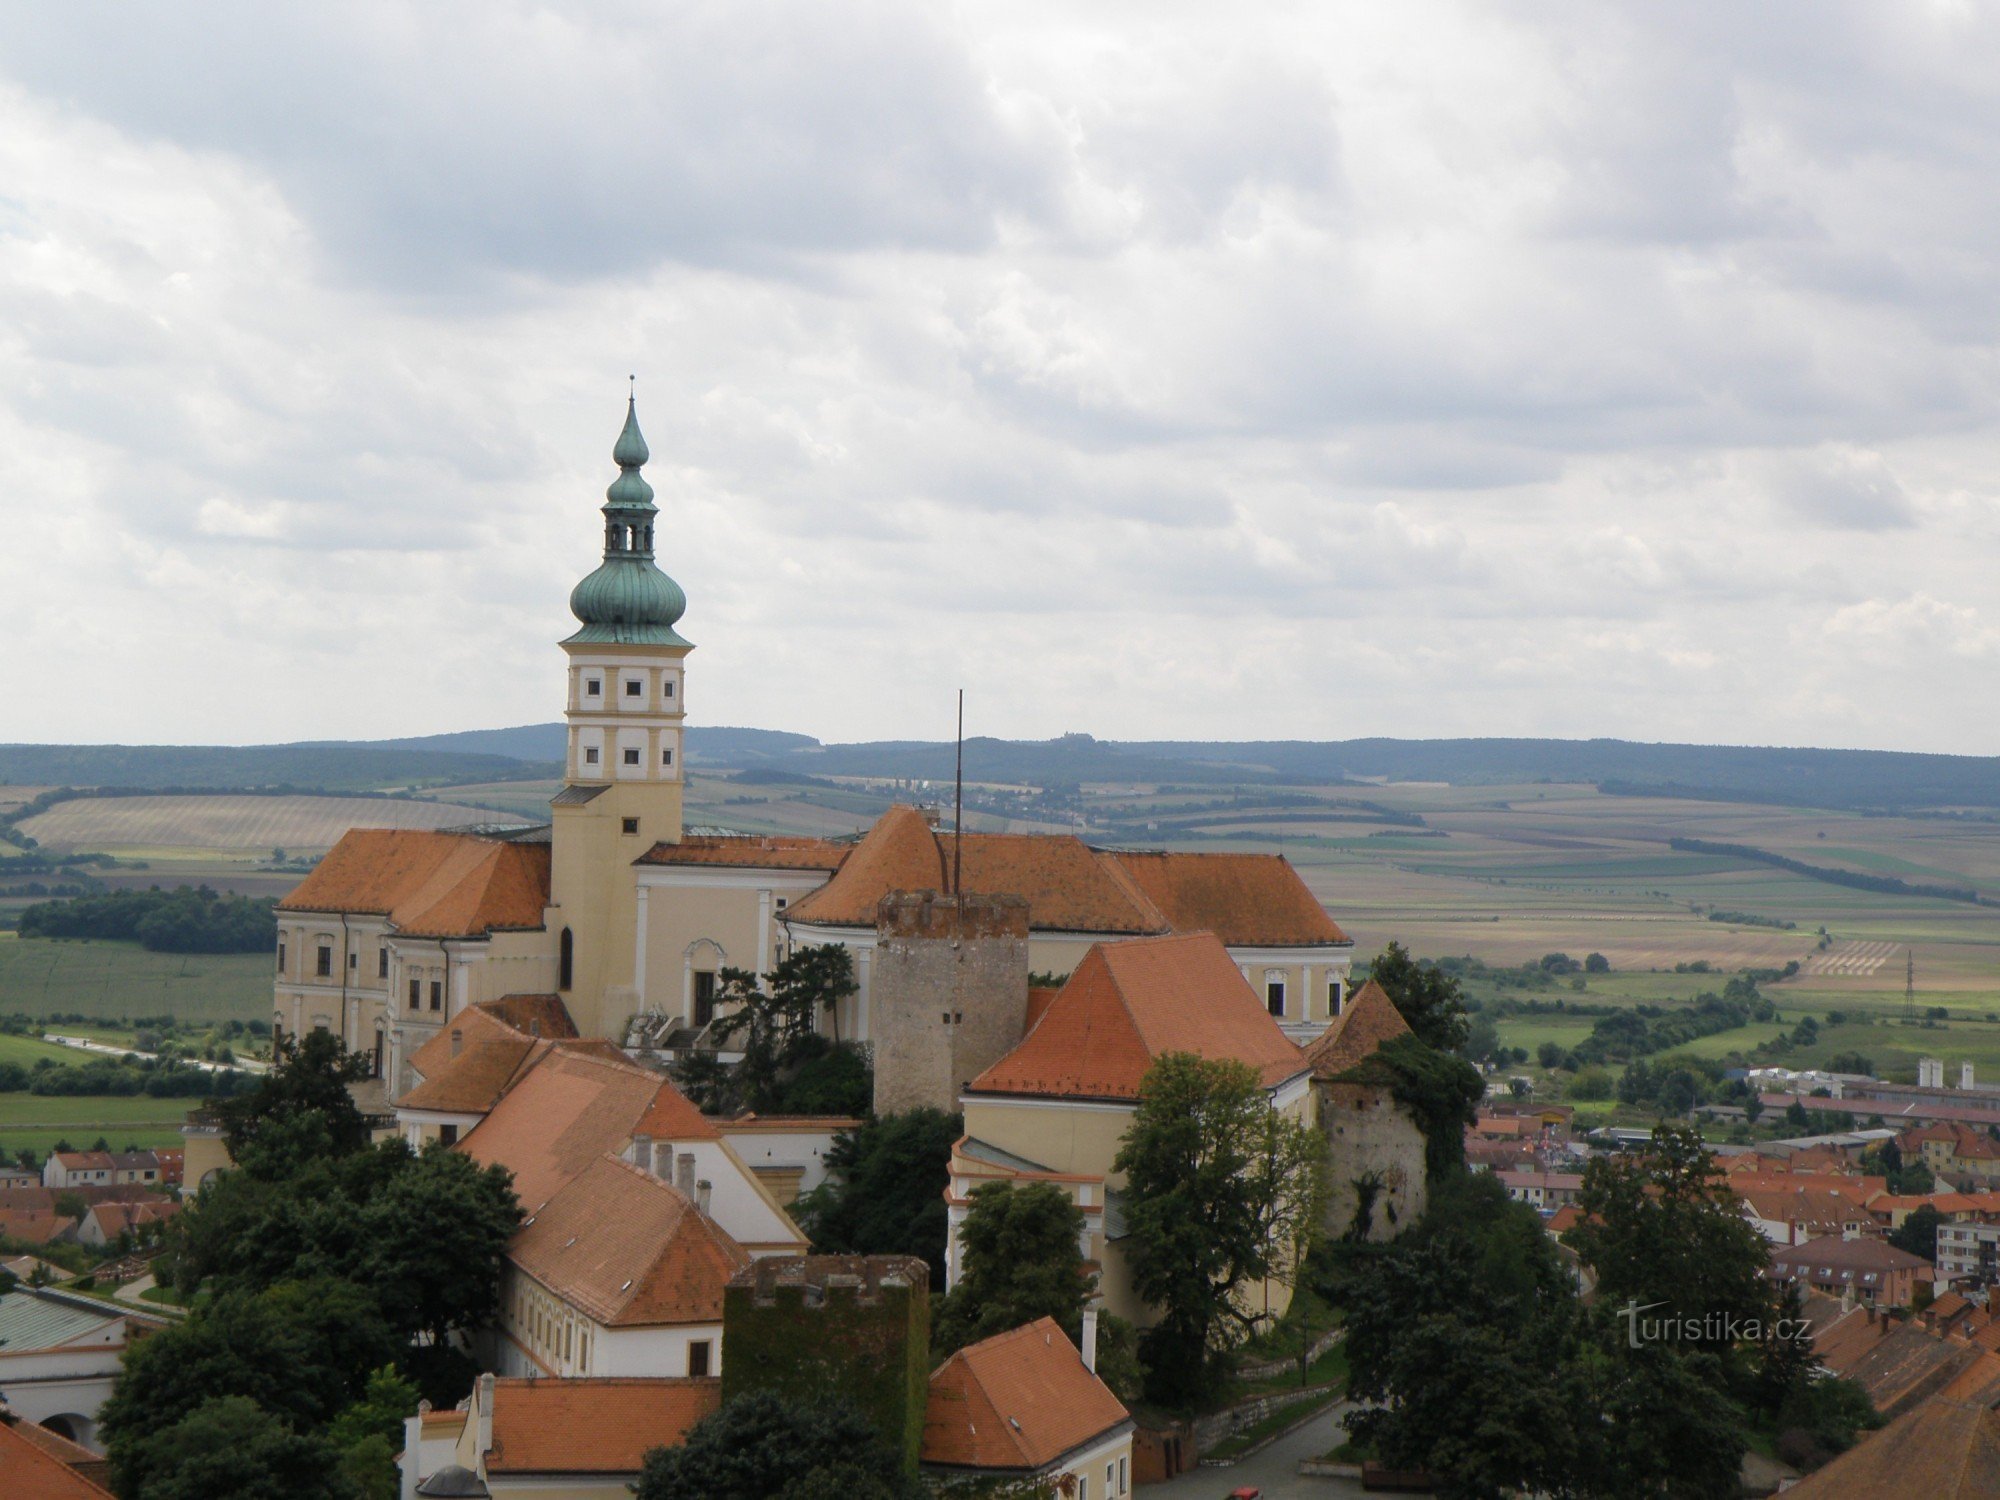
[(369, 1434), (774, 1025), (884, 1193), (1218, 1187), (434, 1235), (1428, 998), (309, 1075), (228, 1448), (1661, 1226), (760, 1445), (1019, 1260), (1918, 1232), (300, 1351)]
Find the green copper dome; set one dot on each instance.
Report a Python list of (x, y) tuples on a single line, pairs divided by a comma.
[(628, 601)]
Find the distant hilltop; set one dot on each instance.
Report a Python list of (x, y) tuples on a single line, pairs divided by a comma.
[(1851, 779)]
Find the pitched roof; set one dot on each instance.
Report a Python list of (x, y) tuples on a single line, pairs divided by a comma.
[(32, 1472), (757, 852), (1839, 1254), (1069, 887), (1129, 1003), (1018, 1400), (113, 1219), (1369, 1019), (1943, 1450), (429, 884), (593, 1424), (473, 1081), (628, 1249), (538, 1015), (559, 1117), (1247, 900), (672, 1117)]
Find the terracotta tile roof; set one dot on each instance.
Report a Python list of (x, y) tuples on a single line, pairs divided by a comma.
[(1247, 900), (559, 1117), (628, 1250), (113, 1219), (1564, 1219), (1803, 1206), (1943, 1450), (750, 852), (1978, 1381), (780, 1124), (429, 884), (475, 1026), (672, 1117), (1909, 1364), (1369, 1019), (86, 1161), (1019, 1400), (29, 1470), (474, 1081), (32, 1226), (1861, 1254), (1068, 885), (537, 1015), (593, 1425), (1129, 1003)]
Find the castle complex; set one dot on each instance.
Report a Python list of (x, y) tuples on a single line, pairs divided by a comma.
[(625, 922)]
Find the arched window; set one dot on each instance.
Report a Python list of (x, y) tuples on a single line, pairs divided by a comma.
[(566, 962)]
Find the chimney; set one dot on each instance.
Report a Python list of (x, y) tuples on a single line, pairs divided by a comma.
[(701, 1190), (457, 1041), (662, 1164), (642, 1152), (684, 1173), (1090, 1339), (482, 1411)]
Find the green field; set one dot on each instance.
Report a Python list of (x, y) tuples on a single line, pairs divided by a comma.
[(162, 827), (28, 1050), (37, 1122), (116, 981)]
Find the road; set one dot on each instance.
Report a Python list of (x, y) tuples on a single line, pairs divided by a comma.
[(1275, 1470)]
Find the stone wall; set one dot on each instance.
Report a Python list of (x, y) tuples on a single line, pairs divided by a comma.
[(1374, 1148), (813, 1327), (948, 997)]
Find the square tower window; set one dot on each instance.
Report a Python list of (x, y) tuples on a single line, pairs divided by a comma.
[(590, 756), (631, 825), (632, 756), (666, 757), (667, 687), (634, 688), (593, 688)]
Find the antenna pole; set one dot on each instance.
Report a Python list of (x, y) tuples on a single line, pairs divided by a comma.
[(958, 807)]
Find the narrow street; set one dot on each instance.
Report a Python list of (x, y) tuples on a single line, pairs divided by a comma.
[(1275, 1470)]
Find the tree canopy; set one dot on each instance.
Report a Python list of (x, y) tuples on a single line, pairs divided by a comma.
[(1428, 998), (1020, 1258), (760, 1446), (1220, 1190), (786, 1064), (884, 1193)]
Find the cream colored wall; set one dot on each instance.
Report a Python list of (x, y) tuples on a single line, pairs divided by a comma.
[(1078, 1138), (705, 918), (206, 1152), (1056, 953)]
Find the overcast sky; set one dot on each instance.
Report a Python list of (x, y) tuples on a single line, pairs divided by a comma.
[(1210, 371)]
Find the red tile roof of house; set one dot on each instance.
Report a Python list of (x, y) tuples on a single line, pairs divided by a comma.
[(29, 1470), (469, 1064), (113, 1219), (1942, 1450), (1016, 1401), (628, 1250), (672, 1116), (1132, 1002), (1248, 900), (538, 1015), (1369, 1019), (430, 884), (593, 1425), (756, 852), (33, 1226), (560, 1116)]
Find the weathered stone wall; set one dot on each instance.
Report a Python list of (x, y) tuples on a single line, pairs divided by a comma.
[(1374, 1149), (949, 993), (814, 1327)]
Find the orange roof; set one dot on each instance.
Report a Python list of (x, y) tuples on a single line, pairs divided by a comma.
[(559, 1117), (33, 1471), (537, 1015), (1369, 1019), (1129, 1003), (672, 1117), (594, 1424), (628, 1250), (1943, 1450), (787, 1124), (1247, 900), (429, 884), (1018, 1400), (749, 852), (474, 1025), (113, 1219), (473, 1082), (1563, 1219)]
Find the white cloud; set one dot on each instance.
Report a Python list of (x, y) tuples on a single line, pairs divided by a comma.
[(1418, 369)]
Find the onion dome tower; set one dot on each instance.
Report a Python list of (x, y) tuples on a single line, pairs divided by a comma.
[(622, 775)]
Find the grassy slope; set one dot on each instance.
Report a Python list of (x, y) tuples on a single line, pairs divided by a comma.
[(120, 980)]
